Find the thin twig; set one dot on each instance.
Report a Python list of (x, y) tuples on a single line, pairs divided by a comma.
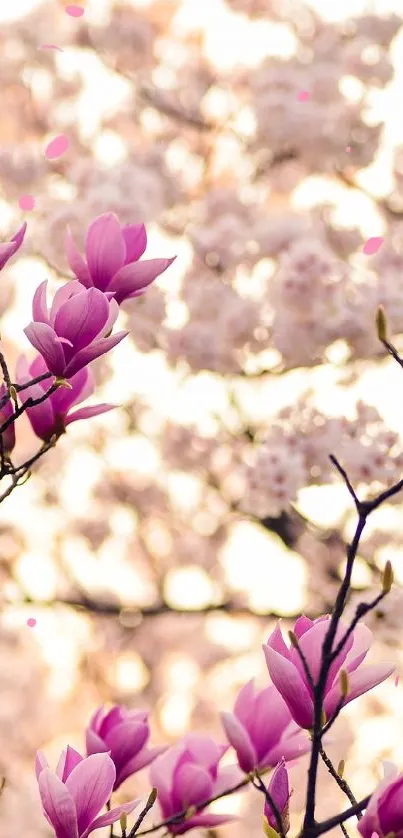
[(150, 803), (339, 780), (181, 816), (345, 477), (259, 784), (337, 820), (29, 403), (362, 609)]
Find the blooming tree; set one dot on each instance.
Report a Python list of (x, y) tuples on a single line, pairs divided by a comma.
[(239, 287)]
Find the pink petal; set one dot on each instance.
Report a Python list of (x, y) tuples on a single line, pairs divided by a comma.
[(63, 294), (94, 744), (137, 715), (161, 777), (7, 249), (290, 748), (63, 399), (228, 777), (136, 276), (113, 717), (95, 350), (369, 823), (390, 807), (240, 740), (88, 412), (271, 718), (302, 625), (40, 311), (290, 685), (82, 318), (141, 760), (360, 682), (26, 203), (19, 236), (58, 805), (74, 11), (45, 340), (40, 763), (87, 389), (311, 643), (76, 262), (68, 760), (372, 245), (105, 249), (368, 677), (90, 785), (126, 739), (279, 787), (96, 719), (204, 750), (57, 147), (112, 816), (245, 702), (112, 317), (276, 642), (192, 785), (41, 417), (362, 642), (135, 238)]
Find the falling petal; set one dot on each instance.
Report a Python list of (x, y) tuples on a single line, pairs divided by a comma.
[(26, 202), (372, 245), (74, 11), (57, 147)]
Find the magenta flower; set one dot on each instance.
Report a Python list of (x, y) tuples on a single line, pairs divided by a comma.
[(288, 675), (384, 814), (112, 258), (5, 412), (279, 791), (53, 415), (7, 249), (124, 735), (73, 332), (261, 729), (187, 775), (73, 795)]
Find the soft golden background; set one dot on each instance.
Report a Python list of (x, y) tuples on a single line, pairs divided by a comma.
[(133, 522)]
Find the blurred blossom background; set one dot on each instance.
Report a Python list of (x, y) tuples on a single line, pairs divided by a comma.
[(157, 544)]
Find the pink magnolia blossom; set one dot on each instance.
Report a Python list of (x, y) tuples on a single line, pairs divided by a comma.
[(384, 813), (7, 249), (73, 332), (53, 415), (261, 729), (112, 258), (279, 791), (124, 735), (188, 775), (288, 674), (5, 412), (73, 795)]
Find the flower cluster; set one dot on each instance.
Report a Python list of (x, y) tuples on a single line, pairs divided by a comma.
[(295, 454), (266, 730), (267, 289), (77, 327)]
